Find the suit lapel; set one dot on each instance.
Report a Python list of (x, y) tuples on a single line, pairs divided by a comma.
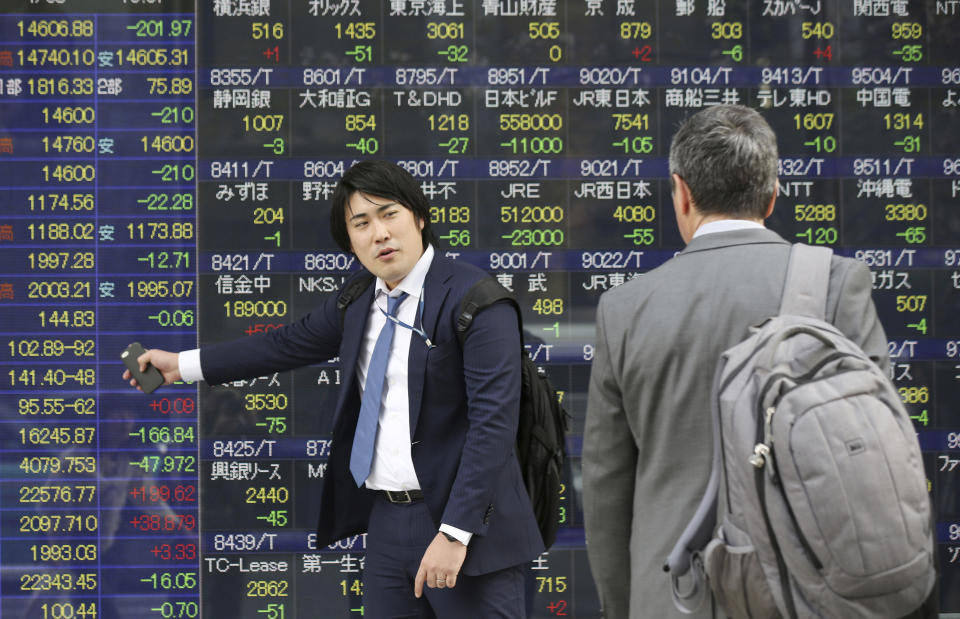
[(354, 326), (435, 290)]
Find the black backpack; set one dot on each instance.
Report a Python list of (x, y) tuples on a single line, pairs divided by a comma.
[(541, 441)]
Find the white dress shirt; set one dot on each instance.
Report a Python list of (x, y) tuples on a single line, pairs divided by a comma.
[(726, 225), (392, 467)]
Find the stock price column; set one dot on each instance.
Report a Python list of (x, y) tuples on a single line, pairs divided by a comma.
[(51, 523), (252, 533), (899, 189), (147, 234), (537, 136), (98, 144)]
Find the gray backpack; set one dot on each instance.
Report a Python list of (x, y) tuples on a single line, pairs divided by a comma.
[(817, 481)]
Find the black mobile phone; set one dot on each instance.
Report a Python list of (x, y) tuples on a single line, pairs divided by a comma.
[(149, 379)]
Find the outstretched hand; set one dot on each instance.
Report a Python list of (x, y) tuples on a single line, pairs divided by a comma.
[(167, 362)]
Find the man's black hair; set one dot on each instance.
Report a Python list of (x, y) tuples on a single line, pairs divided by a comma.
[(379, 179)]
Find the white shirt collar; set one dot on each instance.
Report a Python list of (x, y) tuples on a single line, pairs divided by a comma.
[(726, 225), (412, 284)]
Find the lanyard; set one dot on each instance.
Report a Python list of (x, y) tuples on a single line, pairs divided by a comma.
[(419, 331)]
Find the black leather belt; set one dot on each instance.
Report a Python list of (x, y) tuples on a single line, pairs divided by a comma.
[(402, 496)]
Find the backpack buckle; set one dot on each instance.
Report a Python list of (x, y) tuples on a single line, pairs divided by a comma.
[(466, 317), (759, 456)]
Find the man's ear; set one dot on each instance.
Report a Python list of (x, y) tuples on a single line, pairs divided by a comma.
[(773, 198), (681, 195), (683, 208)]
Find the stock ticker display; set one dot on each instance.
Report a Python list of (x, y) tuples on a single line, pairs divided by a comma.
[(165, 174)]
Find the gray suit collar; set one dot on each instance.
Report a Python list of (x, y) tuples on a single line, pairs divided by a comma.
[(717, 240)]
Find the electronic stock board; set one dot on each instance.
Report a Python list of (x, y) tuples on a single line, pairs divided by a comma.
[(165, 174)]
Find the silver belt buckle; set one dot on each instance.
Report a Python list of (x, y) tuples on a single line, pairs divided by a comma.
[(395, 494)]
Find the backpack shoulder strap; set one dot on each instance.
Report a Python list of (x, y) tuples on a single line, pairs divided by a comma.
[(808, 275), (351, 292), (482, 294)]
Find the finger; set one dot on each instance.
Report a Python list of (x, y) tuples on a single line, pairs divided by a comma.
[(418, 583), (143, 360), (451, 581), (126, 375), (441, 582)]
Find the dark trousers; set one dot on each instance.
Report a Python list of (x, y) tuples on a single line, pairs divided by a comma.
[(397, 538)]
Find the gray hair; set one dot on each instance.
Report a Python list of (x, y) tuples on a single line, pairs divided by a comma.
[(727, 155)]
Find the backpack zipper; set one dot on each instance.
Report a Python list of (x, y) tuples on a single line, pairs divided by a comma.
[(781, 566), (763, 455)]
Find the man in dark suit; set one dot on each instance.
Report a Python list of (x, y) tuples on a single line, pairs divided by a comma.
[(646, 451), (431, 476)]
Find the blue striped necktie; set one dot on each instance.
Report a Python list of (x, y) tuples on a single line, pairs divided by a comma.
[(366, 434)]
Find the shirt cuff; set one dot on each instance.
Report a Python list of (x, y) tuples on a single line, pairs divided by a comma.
[(189, 362), (461, 535)]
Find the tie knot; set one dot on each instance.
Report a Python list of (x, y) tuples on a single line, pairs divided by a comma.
[(394, 302)]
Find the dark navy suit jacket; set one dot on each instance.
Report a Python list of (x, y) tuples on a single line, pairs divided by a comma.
[(463, 414)]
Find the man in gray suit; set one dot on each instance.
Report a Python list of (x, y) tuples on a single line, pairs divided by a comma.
[(648, 436)]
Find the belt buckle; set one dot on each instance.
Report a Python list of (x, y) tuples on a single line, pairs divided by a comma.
[(398, 493)]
